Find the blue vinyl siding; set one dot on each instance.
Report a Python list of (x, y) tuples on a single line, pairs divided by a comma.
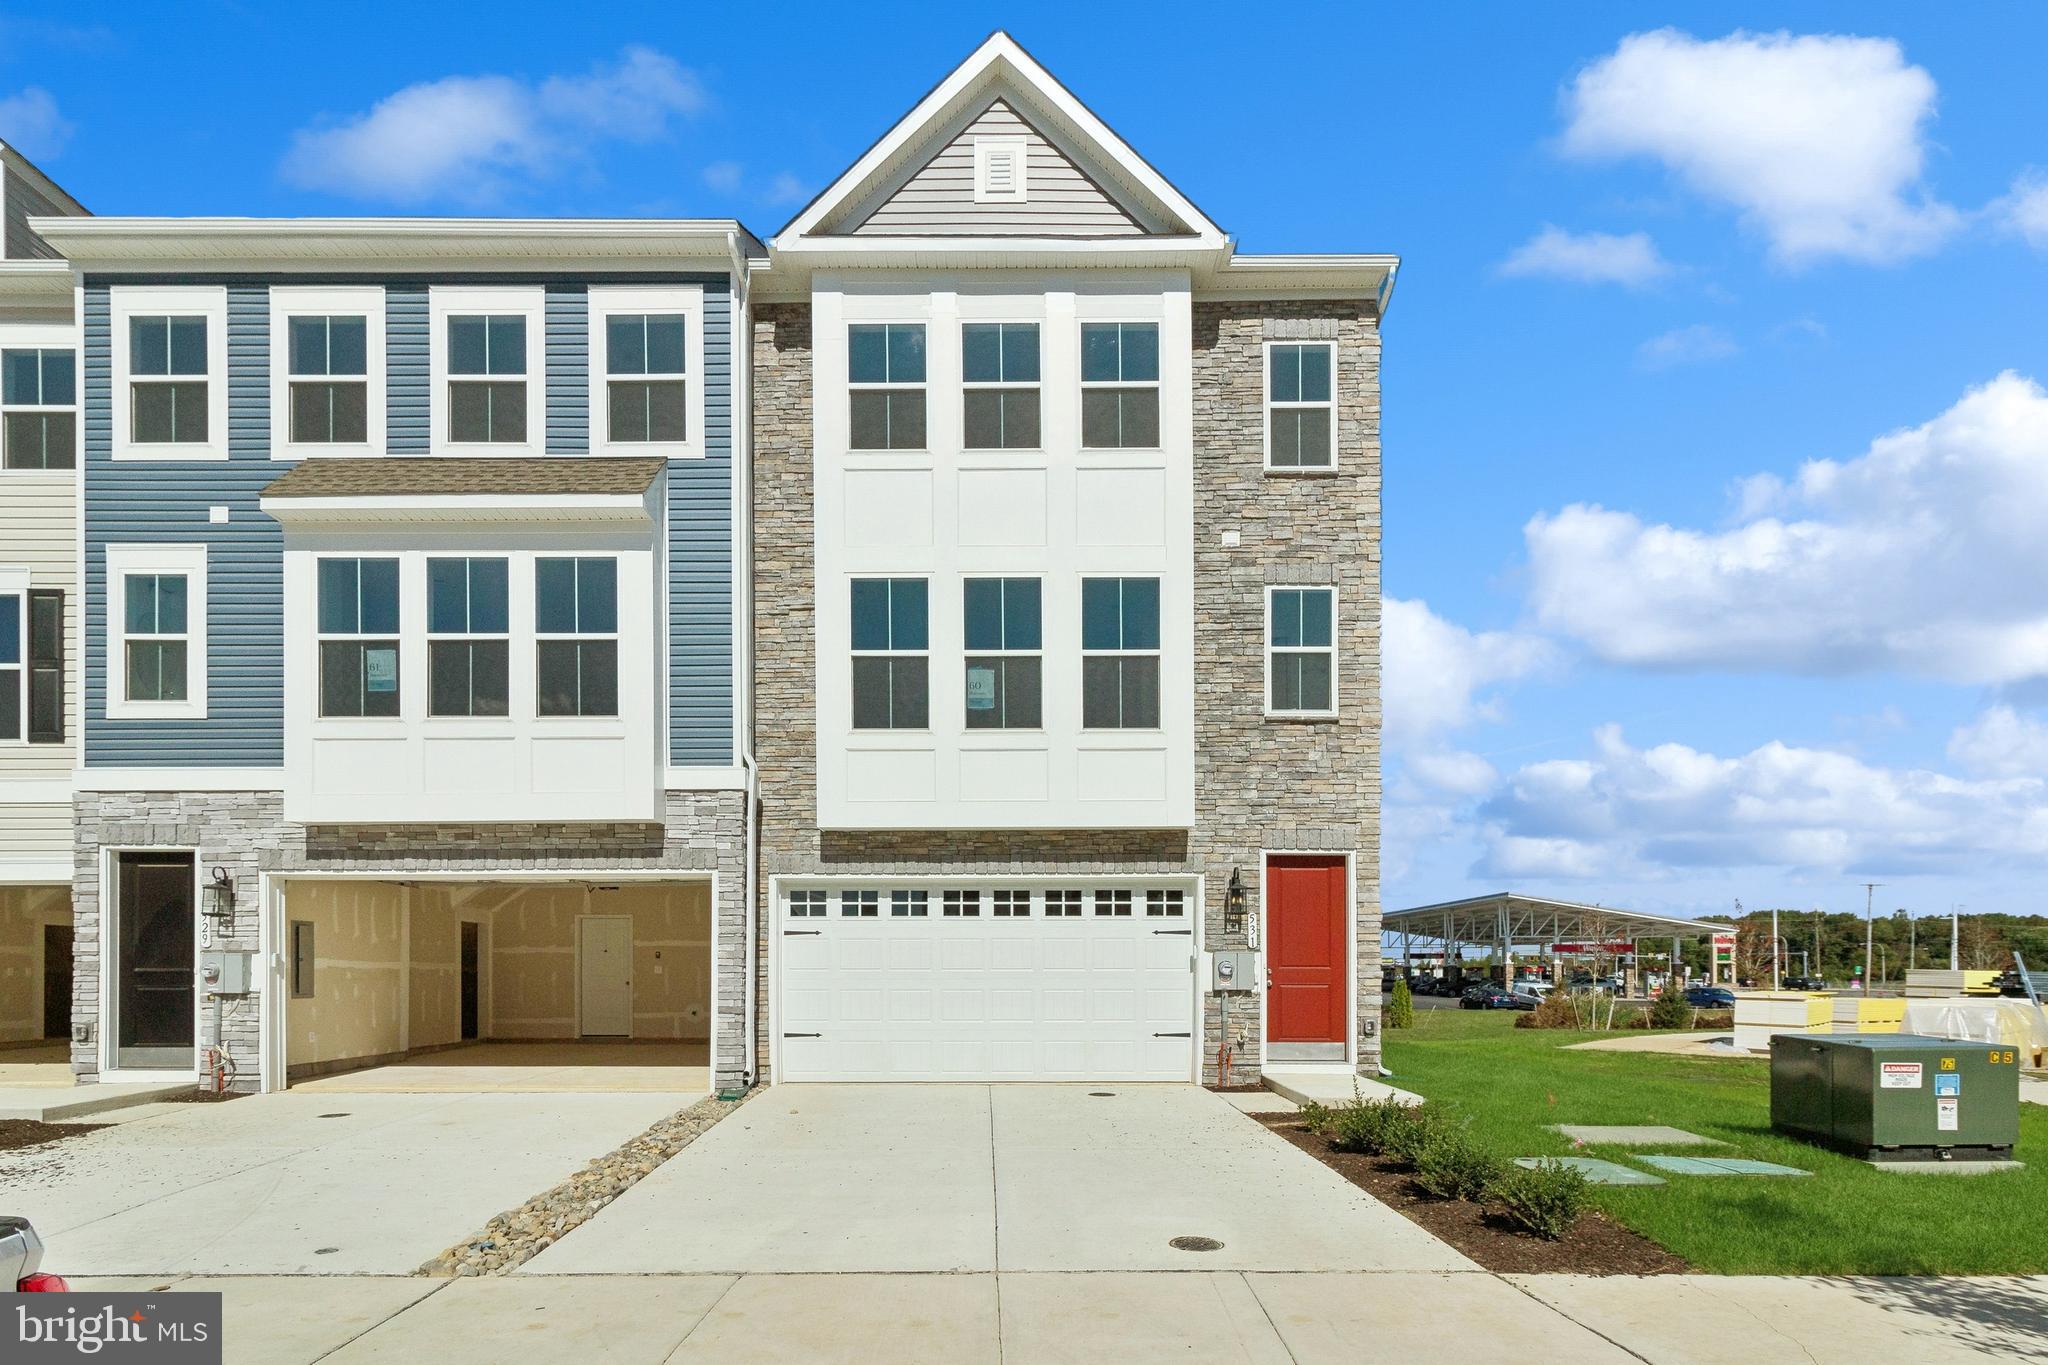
[(167, 502), (568, 369)]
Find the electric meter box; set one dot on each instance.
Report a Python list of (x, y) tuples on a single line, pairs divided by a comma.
[(1897, 1096), (223, 972), (1233, 970)]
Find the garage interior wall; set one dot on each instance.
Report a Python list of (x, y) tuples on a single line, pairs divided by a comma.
[(533, 958), (358, 947), (24, 910)]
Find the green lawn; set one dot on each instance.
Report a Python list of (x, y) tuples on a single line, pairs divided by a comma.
[(1845, 1219)]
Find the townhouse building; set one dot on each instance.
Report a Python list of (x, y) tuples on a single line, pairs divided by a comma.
[(39, 609), (939, 642)]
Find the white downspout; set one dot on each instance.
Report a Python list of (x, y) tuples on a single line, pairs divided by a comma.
[(743, 643)]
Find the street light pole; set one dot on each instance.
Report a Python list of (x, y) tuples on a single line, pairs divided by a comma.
[(1869, 894), (1777, 962), (1912, 941)]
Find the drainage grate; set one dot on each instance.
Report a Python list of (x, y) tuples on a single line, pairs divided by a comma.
[(1195, 1244), (334, 1116), (325, 1251), (1102, 1094)]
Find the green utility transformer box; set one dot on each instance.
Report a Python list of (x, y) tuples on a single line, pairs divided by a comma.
[(1897, 1096)]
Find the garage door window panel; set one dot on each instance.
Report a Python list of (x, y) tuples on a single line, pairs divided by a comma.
[(1010, 904), (859, 904), (1063, 904), (807, 904), (909, 904)]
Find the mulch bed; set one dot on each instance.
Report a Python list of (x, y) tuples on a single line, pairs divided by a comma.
[(17, 1134), (198, 1096), (1596, 1245)]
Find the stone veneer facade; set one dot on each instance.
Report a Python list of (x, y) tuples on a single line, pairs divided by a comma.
[(246, 833), (1293, 785)]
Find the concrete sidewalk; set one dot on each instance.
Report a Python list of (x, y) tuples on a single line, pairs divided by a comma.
[(1129, 1319)]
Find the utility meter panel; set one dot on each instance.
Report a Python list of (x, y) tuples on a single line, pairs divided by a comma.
[(1234, 970), (225, 973)]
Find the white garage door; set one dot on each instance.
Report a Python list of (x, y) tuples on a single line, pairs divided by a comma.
[(994, 982)]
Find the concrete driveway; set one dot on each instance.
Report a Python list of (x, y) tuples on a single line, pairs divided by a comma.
[(867, 1178), (304, 1183)]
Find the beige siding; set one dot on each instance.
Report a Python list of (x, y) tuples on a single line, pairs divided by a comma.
[(38, 831), (39, 532), (1060, 201)]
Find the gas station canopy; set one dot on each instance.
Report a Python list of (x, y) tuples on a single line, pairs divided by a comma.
[(1508, 920)]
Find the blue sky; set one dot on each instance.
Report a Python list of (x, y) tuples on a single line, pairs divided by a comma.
[(1641, 647)]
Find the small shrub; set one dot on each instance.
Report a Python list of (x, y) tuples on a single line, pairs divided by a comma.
[(1452, 1164), (1670, 1010), (1363, 1125), (1401, 1007), (1317, 1118), (1406, 1138), (1544, 1200), (1556, 1011)]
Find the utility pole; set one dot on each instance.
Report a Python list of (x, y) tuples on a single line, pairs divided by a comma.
[(1955, 936), (1912, 940), (1816, 941), (1777, 949), (1869, 894)]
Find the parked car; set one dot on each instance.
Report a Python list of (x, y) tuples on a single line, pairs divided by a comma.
[(1585, 981), (21, 1259), (1710, 997), (1805, 983), (1539, 989), (1494, 998)]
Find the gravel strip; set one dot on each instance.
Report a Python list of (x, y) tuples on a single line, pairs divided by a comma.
[(517, 1236)]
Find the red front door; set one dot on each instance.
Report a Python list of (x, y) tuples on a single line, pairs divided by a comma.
[(1308, 980)]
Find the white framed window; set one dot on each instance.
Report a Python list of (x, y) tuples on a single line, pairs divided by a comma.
[(1000, 390), (1301, 651), (156, 645), (576, 629), (1120, 654), (31, 661), (487, 355), (1120, 385), (1002, 169), (959, 904), (39, 401), (13, 656), (1010, 904), (1301, 405), (891, 658), (909, 904), (1063, 904), (1168, 904), (1113, 903), (359, 630), (327, 376), (170, 381), (859, 904), (1003, 633), (469, 644), (807, 904), (646, 370), (885, 378)]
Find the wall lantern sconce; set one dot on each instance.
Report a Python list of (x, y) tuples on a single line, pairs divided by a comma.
[(1233, 904), (217, 901)]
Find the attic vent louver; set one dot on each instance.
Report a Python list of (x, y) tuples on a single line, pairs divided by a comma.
[(999, 170)]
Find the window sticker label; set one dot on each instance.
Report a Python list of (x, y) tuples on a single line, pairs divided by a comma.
[(981, 689), (1945, 1114), (380, 670), (1947, 1083), (1899, 1075)]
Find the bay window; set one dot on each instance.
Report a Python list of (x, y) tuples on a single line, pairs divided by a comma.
[(468, 637), (358, 630), (576, 649)]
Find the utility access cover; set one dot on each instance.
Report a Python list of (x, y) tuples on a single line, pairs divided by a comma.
[(1633, 1135), (1718, 1165), (1596, 1171)]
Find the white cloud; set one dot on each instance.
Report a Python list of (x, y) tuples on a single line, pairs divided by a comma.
[(1588, 258), (786, 189), (2001, 743), (2025, 210), (472, 139), (723, 176), (30, 121), (1436, 675), (1630, 812), (1924, 554), (1692, 345), (1818, 141)]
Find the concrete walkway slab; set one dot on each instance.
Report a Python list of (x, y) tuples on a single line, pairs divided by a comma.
[(624, 1320), (1344, 1319), (295, 1320), (1136, 1320), (1332, 1087), (68, 1103), (1084, 1183), (809, 1178), (1741, 1319), (293, 1184), (564, 1067), (855, 1319)]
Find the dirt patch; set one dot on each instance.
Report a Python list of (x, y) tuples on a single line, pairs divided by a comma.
[(198, 1096), (1596, 1245), (17, 1134)]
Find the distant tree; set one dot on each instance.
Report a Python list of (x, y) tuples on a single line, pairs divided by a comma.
[(1401, 1006)]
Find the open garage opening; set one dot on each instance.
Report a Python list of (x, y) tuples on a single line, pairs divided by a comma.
[(35, 985), (497, 985)]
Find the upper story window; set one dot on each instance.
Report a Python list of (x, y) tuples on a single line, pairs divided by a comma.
[(1120, 385), (576, 624), (1301, 651), (157, 635), (999, 364), (327, 395), (1004, 662), (886, 372), (891, 659), (170, 372), (1300, 406), (13, 662), (488, 369), (645, 342), (1120, 653), (39, 408), (359, 628), (468, 638)]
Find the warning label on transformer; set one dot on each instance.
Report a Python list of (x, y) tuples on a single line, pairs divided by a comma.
[(1899, 1075)]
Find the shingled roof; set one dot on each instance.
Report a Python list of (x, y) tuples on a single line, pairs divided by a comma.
[(435, 476)]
